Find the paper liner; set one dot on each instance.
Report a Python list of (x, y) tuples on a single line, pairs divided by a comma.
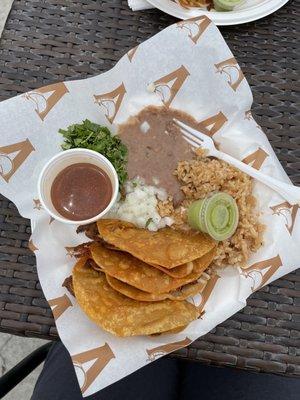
[(187, 66)]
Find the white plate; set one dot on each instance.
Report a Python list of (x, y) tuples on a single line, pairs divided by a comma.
[(249, 10)]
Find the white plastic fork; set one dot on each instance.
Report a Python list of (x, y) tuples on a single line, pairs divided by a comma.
[(195, 138)]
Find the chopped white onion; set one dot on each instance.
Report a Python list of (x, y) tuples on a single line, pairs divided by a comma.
[(139, 206), (145, 127)]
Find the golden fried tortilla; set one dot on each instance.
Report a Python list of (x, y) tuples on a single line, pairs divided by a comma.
[(181, 294), (121, 315), (134, 272), (177, 272), (166, 247), (171, 331)]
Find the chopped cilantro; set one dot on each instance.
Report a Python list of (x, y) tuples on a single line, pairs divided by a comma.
[(149, 220), (92, 136)]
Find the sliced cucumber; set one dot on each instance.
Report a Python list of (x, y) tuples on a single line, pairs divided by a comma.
[(216, 215)]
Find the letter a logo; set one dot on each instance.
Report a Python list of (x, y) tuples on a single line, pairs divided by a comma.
[(59, 305), (169, 85), (271, 265), (195, 27), (256, 159), (288, 212), (233, 72), (12, 157), (101, 357), (46, 98), (111, 101)]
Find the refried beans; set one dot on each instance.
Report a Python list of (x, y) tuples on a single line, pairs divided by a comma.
[(155, 146)]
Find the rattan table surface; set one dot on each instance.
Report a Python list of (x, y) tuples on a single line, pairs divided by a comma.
[(52, 40)]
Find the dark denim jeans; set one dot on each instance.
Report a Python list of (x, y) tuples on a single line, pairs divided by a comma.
[(165, 379)]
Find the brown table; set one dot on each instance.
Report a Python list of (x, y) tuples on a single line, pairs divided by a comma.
[(53, 40)]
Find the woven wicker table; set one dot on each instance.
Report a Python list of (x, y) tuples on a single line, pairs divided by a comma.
[(53, 40)]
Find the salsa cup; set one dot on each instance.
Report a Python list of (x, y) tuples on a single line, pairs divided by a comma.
[(63, 160)]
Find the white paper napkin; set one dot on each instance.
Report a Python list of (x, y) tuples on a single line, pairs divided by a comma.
[(137, 5)]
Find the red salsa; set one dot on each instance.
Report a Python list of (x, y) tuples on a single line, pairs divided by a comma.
[(81, 191)]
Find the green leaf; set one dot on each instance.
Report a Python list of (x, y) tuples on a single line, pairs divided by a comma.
[(90, 135), (149, 220), (66, 146)]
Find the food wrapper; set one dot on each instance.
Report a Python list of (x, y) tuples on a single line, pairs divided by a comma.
[(187, 66), (4, 11)]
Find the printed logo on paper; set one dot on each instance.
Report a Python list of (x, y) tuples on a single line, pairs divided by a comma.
[(288, 212), (32, 246), (205, 294), (70, 252), (111, 101), (262, 271), (169, 85), (37, 205), (159, 351), (232, 71), (256, 159), (13, 156), (46, 98), (59, 305), (214, 123), (249, 117), (101, 357), (131, 53), (68, 284), (195, 27)]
